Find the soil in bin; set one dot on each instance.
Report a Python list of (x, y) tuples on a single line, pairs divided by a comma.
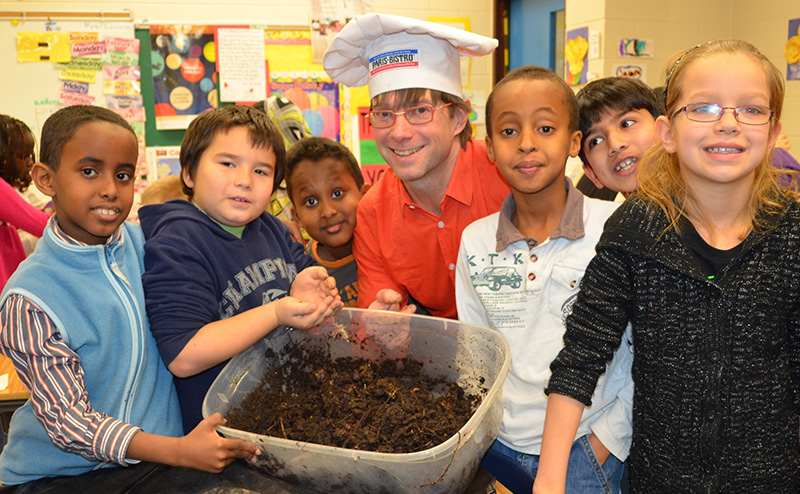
[(388, 406)]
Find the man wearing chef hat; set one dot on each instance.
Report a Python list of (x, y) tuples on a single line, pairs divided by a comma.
[(409, 224)]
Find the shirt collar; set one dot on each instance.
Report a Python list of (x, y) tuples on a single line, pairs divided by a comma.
[(61, 235), (570, 227)]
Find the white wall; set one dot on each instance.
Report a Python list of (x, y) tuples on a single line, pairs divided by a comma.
[(765, 24), (676, 25)]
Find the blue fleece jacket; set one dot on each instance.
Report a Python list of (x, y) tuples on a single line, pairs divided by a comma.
[(94, 295)]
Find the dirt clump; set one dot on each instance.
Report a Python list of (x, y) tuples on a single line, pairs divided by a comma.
[(389, 406)]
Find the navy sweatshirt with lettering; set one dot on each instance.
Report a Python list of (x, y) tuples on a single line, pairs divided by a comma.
[(197, 273)]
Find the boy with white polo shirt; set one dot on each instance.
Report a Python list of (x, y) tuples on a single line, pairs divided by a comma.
[(519, 272)]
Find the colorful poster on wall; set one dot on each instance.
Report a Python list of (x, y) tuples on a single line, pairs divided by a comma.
[(633, 47), (241, 64), (319, 102), (792, 51), (328, 17), (164, 161), (576, 53), (632, 71), (184, 77)]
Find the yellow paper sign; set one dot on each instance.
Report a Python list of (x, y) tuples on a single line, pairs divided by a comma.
[(43, 47), (77, 75)]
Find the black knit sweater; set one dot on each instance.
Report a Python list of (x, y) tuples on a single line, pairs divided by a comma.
[(716, 362)]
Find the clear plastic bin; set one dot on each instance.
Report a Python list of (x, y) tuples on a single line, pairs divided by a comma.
[(475, 357)]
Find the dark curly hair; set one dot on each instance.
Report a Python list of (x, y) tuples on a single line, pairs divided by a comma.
[(12, 133)]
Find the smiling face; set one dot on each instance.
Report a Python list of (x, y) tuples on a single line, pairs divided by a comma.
[(531, 139), (725, 152), (614, 145), (232, 183), (92, 186), (325, 197), (424, 152)]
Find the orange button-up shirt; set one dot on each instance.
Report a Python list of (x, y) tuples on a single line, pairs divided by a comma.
[(399, 245)]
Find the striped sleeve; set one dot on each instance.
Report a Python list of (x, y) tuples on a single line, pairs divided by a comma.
[(54, 375)]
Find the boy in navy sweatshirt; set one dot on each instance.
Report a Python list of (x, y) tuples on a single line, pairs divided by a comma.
[(220, 272)]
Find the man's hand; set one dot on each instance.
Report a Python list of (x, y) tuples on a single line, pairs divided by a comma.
[(388, 299)]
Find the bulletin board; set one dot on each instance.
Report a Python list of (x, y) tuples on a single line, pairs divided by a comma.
[(29, 89), (292, 74), (329, 109)]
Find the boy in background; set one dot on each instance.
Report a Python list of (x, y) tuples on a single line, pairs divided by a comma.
[(73, 322), (519, 272), (325, 184), (617, 120), (221, 272)]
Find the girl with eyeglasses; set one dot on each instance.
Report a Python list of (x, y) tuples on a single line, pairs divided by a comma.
[(704, 263)]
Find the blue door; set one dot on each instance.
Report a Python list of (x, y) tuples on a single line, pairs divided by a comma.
[(536, 34)]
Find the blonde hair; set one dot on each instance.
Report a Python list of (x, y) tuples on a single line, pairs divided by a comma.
[(659, 174), (163, 190)]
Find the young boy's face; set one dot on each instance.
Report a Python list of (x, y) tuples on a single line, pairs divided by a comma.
[(614, 145), (233, 180), (92, 187), (325, 198), (531, 139)]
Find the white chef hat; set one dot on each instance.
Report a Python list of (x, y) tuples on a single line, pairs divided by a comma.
[(390, 52)]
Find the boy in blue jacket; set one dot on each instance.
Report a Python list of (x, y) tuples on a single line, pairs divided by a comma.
[(73, 322), (221, 273)]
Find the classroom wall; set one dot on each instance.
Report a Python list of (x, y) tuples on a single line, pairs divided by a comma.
[(262, 12), (672, 25), (675, 25)]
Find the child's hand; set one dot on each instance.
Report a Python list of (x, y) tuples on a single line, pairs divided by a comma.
[(388, 299), (313, 298), (204, 449), (303, 315), (314, 285)]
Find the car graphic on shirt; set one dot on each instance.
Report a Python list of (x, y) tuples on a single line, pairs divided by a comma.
[(496, 276)]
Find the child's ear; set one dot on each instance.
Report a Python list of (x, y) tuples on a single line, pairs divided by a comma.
[(460, 120), (187, 179), (489, 150), (365, 188), (575, 143), (43, 178), (665, 134), (587, 170), (292, 214)]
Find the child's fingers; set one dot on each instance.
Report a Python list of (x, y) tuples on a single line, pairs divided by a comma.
[(330, 282), (241, 449), (318, 273), (216, 419)]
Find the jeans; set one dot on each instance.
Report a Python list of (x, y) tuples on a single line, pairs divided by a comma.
[(585, 475)]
